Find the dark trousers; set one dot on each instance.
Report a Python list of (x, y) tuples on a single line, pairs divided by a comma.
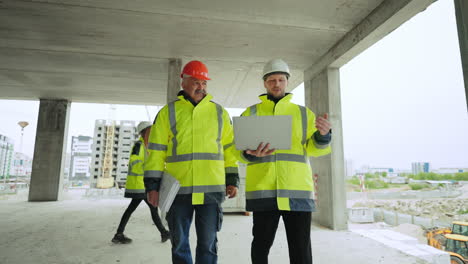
[(297, 226), (131, 208)]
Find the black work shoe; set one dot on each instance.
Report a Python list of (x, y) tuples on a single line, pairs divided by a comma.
[(121, 239), (165, 236)]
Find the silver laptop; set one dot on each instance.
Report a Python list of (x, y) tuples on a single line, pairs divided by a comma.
[(250, 131)]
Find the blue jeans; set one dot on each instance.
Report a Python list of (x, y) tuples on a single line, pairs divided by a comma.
[(208, 219)]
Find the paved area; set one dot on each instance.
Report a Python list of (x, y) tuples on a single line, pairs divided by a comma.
[(80, 230)]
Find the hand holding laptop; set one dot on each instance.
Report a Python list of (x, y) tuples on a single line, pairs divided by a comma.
[(261, 151), (231, 191)]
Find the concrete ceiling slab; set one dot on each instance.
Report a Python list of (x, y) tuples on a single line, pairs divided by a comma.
[(114, 51)]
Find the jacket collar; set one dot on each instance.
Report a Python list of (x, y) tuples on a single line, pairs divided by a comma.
[(268, 98), (184, 97)]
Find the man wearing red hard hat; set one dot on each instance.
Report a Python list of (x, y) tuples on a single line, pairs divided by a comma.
[(193, 142)]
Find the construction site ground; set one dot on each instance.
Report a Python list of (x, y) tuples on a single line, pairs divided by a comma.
[(79, 229), (437, 208)]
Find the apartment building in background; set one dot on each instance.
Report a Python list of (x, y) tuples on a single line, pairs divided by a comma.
[(6, 156), (81, 157), (21, 165), (124, 136), (418, 167)]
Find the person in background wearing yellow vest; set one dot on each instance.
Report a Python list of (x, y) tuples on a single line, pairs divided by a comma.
[(192, 140), (135, 188), (279, 182)]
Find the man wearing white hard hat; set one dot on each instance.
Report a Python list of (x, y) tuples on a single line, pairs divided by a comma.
[(279, 182), (135, 187)]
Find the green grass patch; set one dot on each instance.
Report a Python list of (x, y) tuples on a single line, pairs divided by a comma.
[(354, 180), (376, 184), (419, 186), (463, 212)]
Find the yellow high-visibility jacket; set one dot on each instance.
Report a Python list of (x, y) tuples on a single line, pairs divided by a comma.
[(135, 187), (195, 145), (284, 180)]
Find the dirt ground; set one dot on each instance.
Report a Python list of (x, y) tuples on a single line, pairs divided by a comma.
[(444, 209), (447, 210)]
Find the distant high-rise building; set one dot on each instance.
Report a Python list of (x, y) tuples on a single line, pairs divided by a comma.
[(81, 156), (6, 154), (418, 167), (125, 135), (21, 165)]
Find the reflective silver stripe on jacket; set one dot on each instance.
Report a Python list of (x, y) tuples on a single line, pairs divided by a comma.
[(195, 156), (231, 170), (172, 122), (280, 157), (219, 111), (253, 110), (202, 189), (153, 174), (134, 174), (295, 194), (228, 145), (156, 146), (135, 190), (304, 123), (135, 162)]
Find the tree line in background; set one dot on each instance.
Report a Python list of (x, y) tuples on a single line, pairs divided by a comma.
[(374, 180), (431, 176)]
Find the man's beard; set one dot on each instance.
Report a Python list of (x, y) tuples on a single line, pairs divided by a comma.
[(201, 91)]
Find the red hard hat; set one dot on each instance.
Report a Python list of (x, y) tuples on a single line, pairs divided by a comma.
[(195, 69)]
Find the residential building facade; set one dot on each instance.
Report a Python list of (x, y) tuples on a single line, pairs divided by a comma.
[(124, 136)]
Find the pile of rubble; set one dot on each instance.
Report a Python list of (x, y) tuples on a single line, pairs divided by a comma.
[(443, 209)]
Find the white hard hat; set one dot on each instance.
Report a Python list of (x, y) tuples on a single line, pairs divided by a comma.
[(276, 65), (142, 125)]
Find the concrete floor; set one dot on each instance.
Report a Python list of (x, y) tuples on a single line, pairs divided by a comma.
[(80, 230)]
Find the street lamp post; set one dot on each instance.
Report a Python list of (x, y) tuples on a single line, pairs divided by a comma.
[(22, 124)]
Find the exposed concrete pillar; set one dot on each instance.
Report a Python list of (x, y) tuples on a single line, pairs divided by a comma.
[(49, 150), (322, 95), (461, 12), (173, 79)]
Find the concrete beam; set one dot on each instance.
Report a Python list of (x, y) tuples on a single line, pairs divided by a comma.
[(384, 19), (49, 150), (173, 79), (322, 95), (461, 12)]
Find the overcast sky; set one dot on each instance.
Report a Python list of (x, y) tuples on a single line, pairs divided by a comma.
[(402, 99)]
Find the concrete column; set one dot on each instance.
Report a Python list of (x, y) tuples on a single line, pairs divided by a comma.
[(322, 95), (173, 79), (461, 12), (49, 150)]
